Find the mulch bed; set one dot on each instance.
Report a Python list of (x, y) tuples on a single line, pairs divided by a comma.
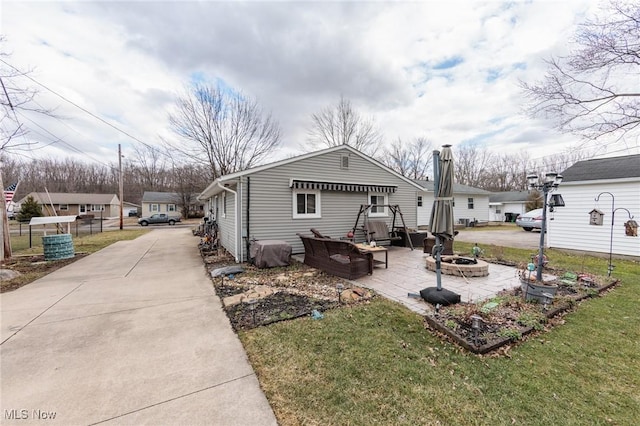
[(508, 318), (298, 290)]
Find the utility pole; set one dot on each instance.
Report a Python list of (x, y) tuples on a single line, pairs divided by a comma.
[(120, 182), (5, 247)]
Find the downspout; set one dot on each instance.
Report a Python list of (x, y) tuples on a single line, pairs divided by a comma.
[(224, 188), (248, 242)]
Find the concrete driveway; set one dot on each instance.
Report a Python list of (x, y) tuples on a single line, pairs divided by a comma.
[(508, 237), (133, 334)]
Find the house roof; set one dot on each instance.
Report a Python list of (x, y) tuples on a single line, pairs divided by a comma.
[(72, 198), (211, 189), (458, 188), (509, 197), (164, 197), (627, 166), (160, 197)]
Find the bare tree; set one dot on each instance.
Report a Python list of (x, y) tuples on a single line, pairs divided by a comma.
[(188, 181), (594, 91), (413, 160), (225, 130), (15, 97), (150, 163), (471, 165), (341, 124)]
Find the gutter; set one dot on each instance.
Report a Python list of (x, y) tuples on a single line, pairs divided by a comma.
[(235, 227)]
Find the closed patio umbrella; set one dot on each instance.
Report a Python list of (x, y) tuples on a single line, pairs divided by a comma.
[(441, 222), (442, 211)]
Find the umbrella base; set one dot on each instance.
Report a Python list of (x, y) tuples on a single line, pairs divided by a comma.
[(443, 296)]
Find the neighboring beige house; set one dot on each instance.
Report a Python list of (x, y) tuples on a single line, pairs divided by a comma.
[(169, 202), (68, 204)]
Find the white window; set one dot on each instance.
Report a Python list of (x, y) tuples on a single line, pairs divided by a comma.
[(83, 208), (171, 207), (306, 204), (378, 203), (224, 204), (470, 203), (419, 200), (154, 207), (498, 211), (97, 207), (63, 207)]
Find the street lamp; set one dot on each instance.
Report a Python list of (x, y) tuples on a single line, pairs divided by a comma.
[(550, 183)]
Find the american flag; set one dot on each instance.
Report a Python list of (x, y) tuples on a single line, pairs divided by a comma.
[(9, 192)]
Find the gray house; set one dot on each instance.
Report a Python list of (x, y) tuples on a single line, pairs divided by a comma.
[(604, 179), (322, 189), (169, 202)]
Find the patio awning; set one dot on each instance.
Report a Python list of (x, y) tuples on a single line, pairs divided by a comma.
[(341, 186)]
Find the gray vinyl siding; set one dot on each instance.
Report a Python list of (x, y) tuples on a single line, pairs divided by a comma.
[(271, 208), (570, 228)]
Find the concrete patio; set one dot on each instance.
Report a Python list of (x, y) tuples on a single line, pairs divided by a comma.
[(407, 274)]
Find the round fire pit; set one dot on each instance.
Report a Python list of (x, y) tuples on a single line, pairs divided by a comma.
[(459, 266)]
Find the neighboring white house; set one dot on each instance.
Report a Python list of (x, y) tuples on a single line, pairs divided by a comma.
[(582, 184), (469, 204), (506, 206), (322, 189)]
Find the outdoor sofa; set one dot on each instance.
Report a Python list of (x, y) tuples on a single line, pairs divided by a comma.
[(336, 257)]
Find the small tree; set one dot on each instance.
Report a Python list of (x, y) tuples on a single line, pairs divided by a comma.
[(30, 208), (534, 200)]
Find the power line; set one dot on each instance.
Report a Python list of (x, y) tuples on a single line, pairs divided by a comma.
[(82, 108), (59, 139)]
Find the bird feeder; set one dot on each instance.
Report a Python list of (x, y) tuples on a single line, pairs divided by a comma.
[(631, 228), (596, 217)]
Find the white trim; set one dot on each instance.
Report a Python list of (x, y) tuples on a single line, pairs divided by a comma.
[(385, 212), (598, 181), (294, 204)]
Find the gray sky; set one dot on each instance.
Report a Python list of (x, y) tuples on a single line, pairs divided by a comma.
[(445, 70)]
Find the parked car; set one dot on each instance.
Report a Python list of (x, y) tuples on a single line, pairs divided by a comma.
[(158, 218), (133, 213), (530, 220)]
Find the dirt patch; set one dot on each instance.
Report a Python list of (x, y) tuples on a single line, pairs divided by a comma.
[(30, 268), (294, 291)]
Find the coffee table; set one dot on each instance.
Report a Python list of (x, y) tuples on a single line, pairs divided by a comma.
[(366, 248)]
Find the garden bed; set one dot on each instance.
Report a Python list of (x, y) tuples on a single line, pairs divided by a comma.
[(507, 317), (277, 294)]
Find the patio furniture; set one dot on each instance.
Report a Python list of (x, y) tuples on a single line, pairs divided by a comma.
[(336, 257), (317, 234), (377, 249), (270, 253), (429, 242), (378, 231)]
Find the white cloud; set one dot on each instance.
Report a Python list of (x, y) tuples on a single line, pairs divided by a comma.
[(124, 61)]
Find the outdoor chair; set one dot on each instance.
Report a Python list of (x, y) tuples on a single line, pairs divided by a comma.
[(378, 231), (336, 257)]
